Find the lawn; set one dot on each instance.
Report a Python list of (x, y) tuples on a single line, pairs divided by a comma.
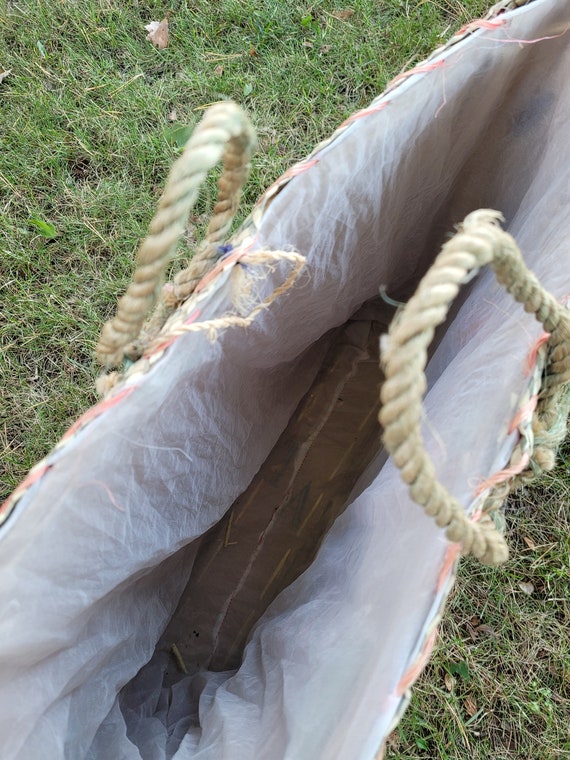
[(92, 116)]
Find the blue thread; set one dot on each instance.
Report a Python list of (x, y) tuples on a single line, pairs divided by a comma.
[(223, 250)]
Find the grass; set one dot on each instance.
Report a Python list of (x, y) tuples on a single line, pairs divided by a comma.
[(88, 139), (499, 683), (92, 116)]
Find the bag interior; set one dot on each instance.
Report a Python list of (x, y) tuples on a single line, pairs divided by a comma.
[(225, 564)]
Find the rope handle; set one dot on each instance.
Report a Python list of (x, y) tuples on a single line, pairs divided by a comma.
[(224, 133), (479, 241)]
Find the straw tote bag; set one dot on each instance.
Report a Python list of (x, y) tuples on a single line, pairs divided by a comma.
[(222, 558)]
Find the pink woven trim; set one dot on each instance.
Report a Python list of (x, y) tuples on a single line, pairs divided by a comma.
[(32, 477), (169, 341), (413, 672), (222, 264), (532, 357), (422, 68), (294, 171), (524, 414), (301, 168), (365, 112), (481, 23), (451, 556), (416, 668), (40, 469), (96, 411), (502, 475)]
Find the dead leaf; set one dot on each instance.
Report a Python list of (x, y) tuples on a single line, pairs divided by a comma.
[(173, 115), (325, 49), (529, 542), (471, 631), (449, 682), (343, 15), (470, 706), (4, 73), (307, 44), (471, 626), (219, 70), (526, 588), (158, 33), (486, 629), (253, 53)]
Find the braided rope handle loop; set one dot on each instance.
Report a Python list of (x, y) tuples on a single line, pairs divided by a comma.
[(224, 133), (480, 241)]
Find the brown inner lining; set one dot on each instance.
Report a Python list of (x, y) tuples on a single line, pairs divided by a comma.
[(272, 532)]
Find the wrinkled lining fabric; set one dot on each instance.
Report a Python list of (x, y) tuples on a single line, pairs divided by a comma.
[(272, 532), (103, 546)]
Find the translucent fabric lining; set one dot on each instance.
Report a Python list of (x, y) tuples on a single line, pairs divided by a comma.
[(98, 551)]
